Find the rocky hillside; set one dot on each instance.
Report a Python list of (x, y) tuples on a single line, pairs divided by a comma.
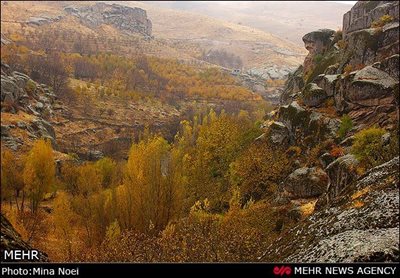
[(346, 77)]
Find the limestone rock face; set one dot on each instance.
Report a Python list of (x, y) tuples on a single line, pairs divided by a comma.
[(366, 212), (11, 240), (125, 18)]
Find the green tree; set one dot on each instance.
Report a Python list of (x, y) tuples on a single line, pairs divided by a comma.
[(107, 169), (346, 125)]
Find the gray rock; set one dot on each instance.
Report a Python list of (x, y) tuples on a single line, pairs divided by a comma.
[(95, 154), (4, 130), (327, 82), (279, 133), (21, 125), (44, 129), (347, 142), (9, 90), (326, 159), (313, 95), (386, 138), (39, 106), (294, 84), (306, 182), (374, 76), (341, 173)]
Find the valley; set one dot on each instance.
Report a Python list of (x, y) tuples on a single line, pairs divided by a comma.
[(137, 132)]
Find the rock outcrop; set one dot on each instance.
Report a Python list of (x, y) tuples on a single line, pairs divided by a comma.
[(354, 73), (363, 13), (368, 212), (11, 240), (317, 43), (306, 182), (20, 93), (125, 18)]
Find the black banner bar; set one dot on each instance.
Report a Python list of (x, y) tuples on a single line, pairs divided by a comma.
[(224, 269)]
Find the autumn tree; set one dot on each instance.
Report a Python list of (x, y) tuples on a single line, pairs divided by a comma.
[(39, 172), (64, 220), (258, 171), (218, 142), (152, 185)]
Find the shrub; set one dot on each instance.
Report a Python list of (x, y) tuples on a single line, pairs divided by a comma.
[(345, 126), (382, 21), (30, 87), (347, 69), (342, 44), (293, 151), (337, 151), (318, 58), (338, 36), (368, 146)]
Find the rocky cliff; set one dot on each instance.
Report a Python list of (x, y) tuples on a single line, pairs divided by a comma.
[(354, 72), (133, 20)]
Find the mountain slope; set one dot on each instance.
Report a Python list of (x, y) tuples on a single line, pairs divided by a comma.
[(288, 20)]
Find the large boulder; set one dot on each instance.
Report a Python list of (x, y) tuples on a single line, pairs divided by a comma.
[(313, 95), (45, 130), (341, 173), (368, 96), (10, 91), (306, 182), (279, 133), (293, 85), (327, 82)]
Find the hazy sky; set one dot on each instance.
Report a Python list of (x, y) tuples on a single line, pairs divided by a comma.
[(345, 2)]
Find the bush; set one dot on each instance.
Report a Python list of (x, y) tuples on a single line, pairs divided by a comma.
[(318, 58), (30, 87), (347, 69), (382, 21), (345, 126), (338, 36), (368, 146), (337, 151), (342, 44)]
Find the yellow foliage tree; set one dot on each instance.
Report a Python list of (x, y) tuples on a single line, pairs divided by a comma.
[(152, 185), (39, 172)]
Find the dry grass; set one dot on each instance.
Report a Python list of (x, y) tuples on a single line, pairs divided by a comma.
[(308, 208)]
